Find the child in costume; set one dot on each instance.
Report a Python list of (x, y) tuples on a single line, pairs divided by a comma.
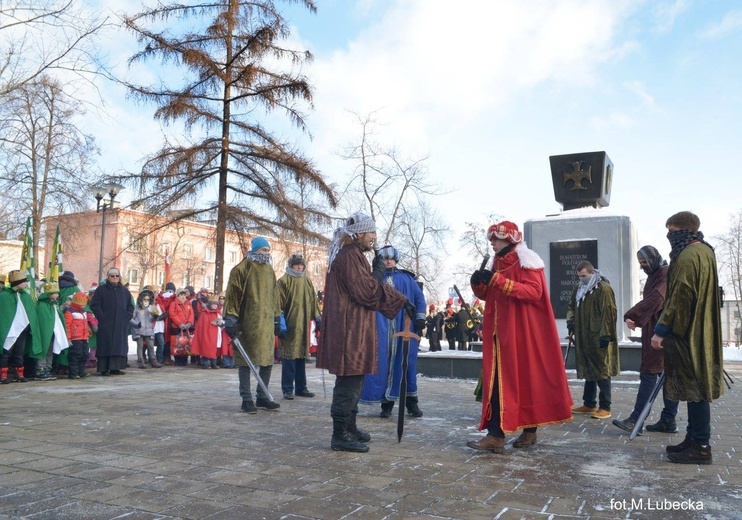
[(19, 327), (53, 332), (207, 338), (79, 325), (143, 328)]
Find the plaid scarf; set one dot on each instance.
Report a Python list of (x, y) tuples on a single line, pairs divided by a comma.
[(681, 239)]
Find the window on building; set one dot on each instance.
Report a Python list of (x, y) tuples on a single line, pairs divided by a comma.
[(185, 281), (736, 314), (315, 268), (134, 276), (187, 251), (207, 281), (233, 257), (135, 244), (209, 254), (161, 278)]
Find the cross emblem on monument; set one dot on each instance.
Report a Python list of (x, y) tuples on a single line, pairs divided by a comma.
[(577, 176)]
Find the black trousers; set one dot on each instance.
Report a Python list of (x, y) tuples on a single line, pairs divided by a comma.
[(345, 398), (14, 356), (493, 425)]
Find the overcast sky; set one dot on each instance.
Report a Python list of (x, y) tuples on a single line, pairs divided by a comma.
[(489, 89)]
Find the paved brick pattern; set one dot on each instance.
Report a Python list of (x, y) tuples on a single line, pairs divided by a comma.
[(172, 443)]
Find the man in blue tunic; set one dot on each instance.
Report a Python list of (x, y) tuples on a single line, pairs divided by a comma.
[(384, 386)]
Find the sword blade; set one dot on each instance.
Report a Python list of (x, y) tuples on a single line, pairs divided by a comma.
[(253, 368), (648, 406), (402, 390)]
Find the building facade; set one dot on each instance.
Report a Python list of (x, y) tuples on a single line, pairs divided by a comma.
[(136, 243)]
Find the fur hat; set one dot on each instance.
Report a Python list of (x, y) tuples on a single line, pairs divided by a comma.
[(213, 298), (51, 287), (80, 299), (93, 287), (16, 278), (297, 259), (389, 252), (505, 230)]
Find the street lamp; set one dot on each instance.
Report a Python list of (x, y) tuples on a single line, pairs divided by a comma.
[(110, 189)]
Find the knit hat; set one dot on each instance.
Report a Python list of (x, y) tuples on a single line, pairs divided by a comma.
[(357, 223), (182, 291), (387, 252), (16, 278), (297, 259), (505, 230), (68, 276), (93, 287), (80, 298), (170, 286), (257, 243), (51, 287), (432, 307)]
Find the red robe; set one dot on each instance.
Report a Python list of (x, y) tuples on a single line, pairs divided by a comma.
[(207, 338), (227, 349), (521, 342)]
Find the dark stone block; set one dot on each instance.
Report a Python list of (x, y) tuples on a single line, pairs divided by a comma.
[(582, 179)]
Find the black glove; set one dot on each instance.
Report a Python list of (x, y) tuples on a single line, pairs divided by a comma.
[(277, 326), (230, 325), (378, 267), (419, 326), (571, 327), (604, 342), (481, 276), (410, 309), (162, 317)]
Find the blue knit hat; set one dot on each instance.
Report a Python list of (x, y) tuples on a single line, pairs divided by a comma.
[(389, 252), (258, 242)]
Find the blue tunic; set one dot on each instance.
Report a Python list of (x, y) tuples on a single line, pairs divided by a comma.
[(384, 385)]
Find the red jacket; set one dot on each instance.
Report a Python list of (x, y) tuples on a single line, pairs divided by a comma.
[(78, 322), (181, 314)]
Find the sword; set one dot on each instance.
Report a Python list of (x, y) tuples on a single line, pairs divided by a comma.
[(253, 369), (571, 339), (406, 334), (648, 407)]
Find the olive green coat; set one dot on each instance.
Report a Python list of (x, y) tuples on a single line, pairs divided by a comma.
[(45, 310), (595, 318), (297, 300), (251, 296), (692, 316)]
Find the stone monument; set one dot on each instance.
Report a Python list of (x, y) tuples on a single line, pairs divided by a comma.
[(585, 230)]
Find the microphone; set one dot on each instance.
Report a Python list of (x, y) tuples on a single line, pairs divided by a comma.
[(484, 261)]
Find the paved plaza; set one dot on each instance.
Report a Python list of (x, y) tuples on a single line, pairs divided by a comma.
[(172, 443)]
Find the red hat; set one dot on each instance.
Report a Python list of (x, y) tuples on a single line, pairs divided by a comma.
[(505, 230), (432, 307), (449, 301), (450, 312)]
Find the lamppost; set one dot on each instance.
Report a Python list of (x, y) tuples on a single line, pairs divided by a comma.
[(110, 189), (203, 267)]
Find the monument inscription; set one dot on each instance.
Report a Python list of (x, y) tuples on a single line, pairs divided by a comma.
[(563, 259)]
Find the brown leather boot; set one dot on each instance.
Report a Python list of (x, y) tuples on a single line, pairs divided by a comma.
[(488, 443), (525, 440)]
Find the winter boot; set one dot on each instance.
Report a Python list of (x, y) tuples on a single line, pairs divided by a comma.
[(44, 374), (154, 364), (694, 454), (19, 378), (677, 448), (344, 441), (4, 376), (141, 363), (412, 407), (663, 426), (262, 402), (248, 406), (386, 409), (357, 434)]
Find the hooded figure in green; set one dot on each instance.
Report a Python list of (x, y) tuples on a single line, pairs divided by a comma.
[(52, 329), (251, 314), (591, 317), (19, 326), (297, 300)]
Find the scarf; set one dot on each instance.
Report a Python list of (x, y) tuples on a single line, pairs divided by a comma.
[(295, 273), (356, 223), (259, 258), (586, 288), (653, 258), (681, 239)]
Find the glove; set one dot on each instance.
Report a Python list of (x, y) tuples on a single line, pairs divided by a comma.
[(230, 325), (317, 321), (184, 326), (419, 326), (604, 342), (481, 276), (162, 317), (277, 326), (378, 267), (571, 327), (410, 309)]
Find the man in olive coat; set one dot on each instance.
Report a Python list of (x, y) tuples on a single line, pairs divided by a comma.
[(689, 331), (347, 344), (251, 314), (591, 317)]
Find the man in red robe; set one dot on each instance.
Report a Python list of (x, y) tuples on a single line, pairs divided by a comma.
[(523, 379)]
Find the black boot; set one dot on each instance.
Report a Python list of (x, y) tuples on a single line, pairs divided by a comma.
[(663, 426), (386, 409), (357, 434), (412, 407), (693, 454), (342, 440)]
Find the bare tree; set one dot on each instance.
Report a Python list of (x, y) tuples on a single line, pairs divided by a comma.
[(397, 193), (38, 37), (45, 158), (729, 256), (231, 69), (474, 246)]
